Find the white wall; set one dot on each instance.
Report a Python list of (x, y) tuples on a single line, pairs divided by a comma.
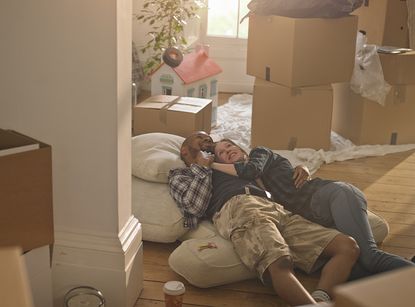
[(66, 80)]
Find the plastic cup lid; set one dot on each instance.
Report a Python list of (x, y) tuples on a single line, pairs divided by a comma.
[(174, 288)]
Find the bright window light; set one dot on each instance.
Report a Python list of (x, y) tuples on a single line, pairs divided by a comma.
[(224, 17)]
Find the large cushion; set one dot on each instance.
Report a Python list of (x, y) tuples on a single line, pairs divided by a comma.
[(157, 212), (206, 260), (155, 154), (379, 226)]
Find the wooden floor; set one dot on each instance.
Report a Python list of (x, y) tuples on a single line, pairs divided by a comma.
[(389, 185)]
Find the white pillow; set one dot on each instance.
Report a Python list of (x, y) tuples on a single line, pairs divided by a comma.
[(157, 212), (155, 154)]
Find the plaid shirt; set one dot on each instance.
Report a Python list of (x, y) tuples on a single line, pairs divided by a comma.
[(191, 188)]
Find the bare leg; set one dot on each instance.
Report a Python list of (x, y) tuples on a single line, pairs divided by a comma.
[(343, 252), (286, 285)]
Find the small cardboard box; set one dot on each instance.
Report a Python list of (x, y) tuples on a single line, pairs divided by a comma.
[(26, 217), (367, 122), (398, 68), (14, 283), (301, 51), (394, 288), (285, 118), (172, 114), (385, 22)]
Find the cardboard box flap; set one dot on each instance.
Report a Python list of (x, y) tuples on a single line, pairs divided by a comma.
[(202, 102), (163, 98), (187, 108), (398, 68), (152, 105), (10, 139), (388, 289)]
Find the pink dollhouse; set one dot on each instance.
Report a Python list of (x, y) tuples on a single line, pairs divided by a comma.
[(196, 76)]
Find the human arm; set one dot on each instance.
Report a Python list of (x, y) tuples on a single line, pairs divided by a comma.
[(191, 188), (227, 168), (301, 175), (251, 168), (259, 161)]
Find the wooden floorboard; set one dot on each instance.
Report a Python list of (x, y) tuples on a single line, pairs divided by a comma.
[(389, 185)]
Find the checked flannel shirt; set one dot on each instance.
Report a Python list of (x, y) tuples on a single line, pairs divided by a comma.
[(191, 189)]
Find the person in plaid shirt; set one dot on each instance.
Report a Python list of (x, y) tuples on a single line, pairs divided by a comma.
[(267, 238)]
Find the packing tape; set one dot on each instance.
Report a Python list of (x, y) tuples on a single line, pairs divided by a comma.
[(163, 110)]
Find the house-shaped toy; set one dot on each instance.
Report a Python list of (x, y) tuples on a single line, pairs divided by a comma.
[(196, 76)]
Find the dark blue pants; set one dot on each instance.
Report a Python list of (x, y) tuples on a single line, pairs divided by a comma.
[(343, 206)]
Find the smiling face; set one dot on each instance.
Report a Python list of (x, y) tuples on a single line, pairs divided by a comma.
[(227, 152), (191, 146)]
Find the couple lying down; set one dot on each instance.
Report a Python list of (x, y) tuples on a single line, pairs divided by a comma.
[(277, 217)]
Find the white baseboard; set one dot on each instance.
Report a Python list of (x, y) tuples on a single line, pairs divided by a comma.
[(110, 263)]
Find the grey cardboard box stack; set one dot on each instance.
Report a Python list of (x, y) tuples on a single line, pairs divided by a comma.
[(294, 61), (26, 218), (367, 122)]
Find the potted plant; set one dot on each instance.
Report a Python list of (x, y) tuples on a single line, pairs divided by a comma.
[(167, 19)]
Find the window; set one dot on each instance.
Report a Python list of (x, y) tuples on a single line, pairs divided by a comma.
[(213, 87), (167, 90), (190, 92), (224, 17), (202, 91)]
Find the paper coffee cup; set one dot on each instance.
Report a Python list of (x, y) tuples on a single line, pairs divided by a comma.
[(173, 293)]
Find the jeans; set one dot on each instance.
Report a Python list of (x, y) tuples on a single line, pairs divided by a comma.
[(343, 206)]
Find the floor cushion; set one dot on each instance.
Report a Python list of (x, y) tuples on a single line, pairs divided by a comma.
[(206, 260), (157, 212)]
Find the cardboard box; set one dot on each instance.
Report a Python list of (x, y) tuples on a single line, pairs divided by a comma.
[(14, 284), (394, 288), (385, 22), (172, 114), (26, 217), (285, 118), (398, 68), (367, 122), (301, 51)]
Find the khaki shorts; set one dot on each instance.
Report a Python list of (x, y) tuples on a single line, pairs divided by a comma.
[(263, 231)]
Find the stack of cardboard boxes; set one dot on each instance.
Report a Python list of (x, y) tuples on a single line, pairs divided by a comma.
[(26, 218), (367, 122), (294, 61)]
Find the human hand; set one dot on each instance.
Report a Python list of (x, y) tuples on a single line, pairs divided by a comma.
[(301, 175), (204, 159)]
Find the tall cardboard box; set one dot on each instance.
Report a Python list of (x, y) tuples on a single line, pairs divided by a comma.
[(398, 68), (172, 114), (26, 211), (385, 22), (14, 283), (297, 52), (394, 288), (285, 118), (367, 122)]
